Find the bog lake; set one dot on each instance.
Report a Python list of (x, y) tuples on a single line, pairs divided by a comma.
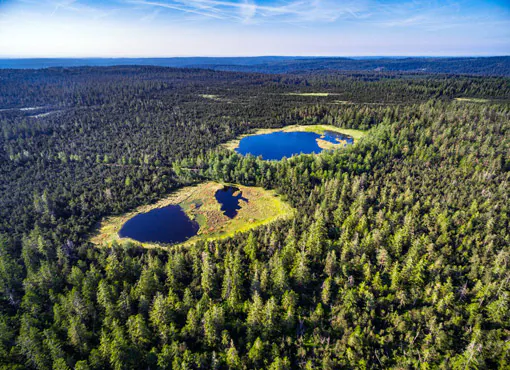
[(276, 145), (171, 224)]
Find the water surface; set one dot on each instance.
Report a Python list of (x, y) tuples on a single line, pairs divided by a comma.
[(281, 144), (337, 138), (230, 203), (168, 225)]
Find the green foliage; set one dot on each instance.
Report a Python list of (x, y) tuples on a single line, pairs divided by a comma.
[(397, 256)]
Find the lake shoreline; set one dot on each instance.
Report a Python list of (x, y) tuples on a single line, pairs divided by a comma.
[(264, 206), (318, 129)]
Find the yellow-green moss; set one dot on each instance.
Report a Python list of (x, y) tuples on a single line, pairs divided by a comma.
[(199, 203), (309, 94), (472, 100)]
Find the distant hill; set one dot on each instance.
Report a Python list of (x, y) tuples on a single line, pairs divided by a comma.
[(495, 66), (37, 63), (489, 66)]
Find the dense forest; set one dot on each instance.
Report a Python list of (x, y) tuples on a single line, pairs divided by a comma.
[(398, 257), (486, 66)]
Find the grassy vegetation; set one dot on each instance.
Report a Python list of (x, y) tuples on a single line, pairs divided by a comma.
[(215, 98), (473, 100), (327, 145), (199, 203), (309, 94), (318, 129)]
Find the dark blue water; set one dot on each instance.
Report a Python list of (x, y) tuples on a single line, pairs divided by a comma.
[(280, 144), (229, 202), (169, 225)]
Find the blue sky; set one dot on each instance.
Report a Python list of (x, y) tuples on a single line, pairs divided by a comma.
[(152, 28)]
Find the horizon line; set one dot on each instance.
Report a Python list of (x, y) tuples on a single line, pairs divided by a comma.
[(258, 56)]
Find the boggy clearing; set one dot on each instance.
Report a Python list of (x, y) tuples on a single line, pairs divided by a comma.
[(256, 206)]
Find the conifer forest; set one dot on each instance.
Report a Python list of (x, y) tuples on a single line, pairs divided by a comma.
[(396, 255)]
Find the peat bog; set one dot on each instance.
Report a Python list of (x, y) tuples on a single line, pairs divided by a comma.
[(206, 211)]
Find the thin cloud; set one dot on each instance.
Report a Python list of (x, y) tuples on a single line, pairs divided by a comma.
[(62, 4), (248, 11), (74, 6), (151, 16), (175, 6), (429, 16)]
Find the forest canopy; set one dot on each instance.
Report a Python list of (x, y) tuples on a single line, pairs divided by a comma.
[(397, 258)]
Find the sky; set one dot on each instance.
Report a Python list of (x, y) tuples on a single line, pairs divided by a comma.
[(169, 28)]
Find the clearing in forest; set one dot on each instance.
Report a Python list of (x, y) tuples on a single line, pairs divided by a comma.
[(257, 206), (309, 94), (210, 96), (472, 100)]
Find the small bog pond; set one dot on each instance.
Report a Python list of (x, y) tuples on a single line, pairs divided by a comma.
[(205, 211), (171, 224), (229, 197), (281, 144), (168, 224)]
